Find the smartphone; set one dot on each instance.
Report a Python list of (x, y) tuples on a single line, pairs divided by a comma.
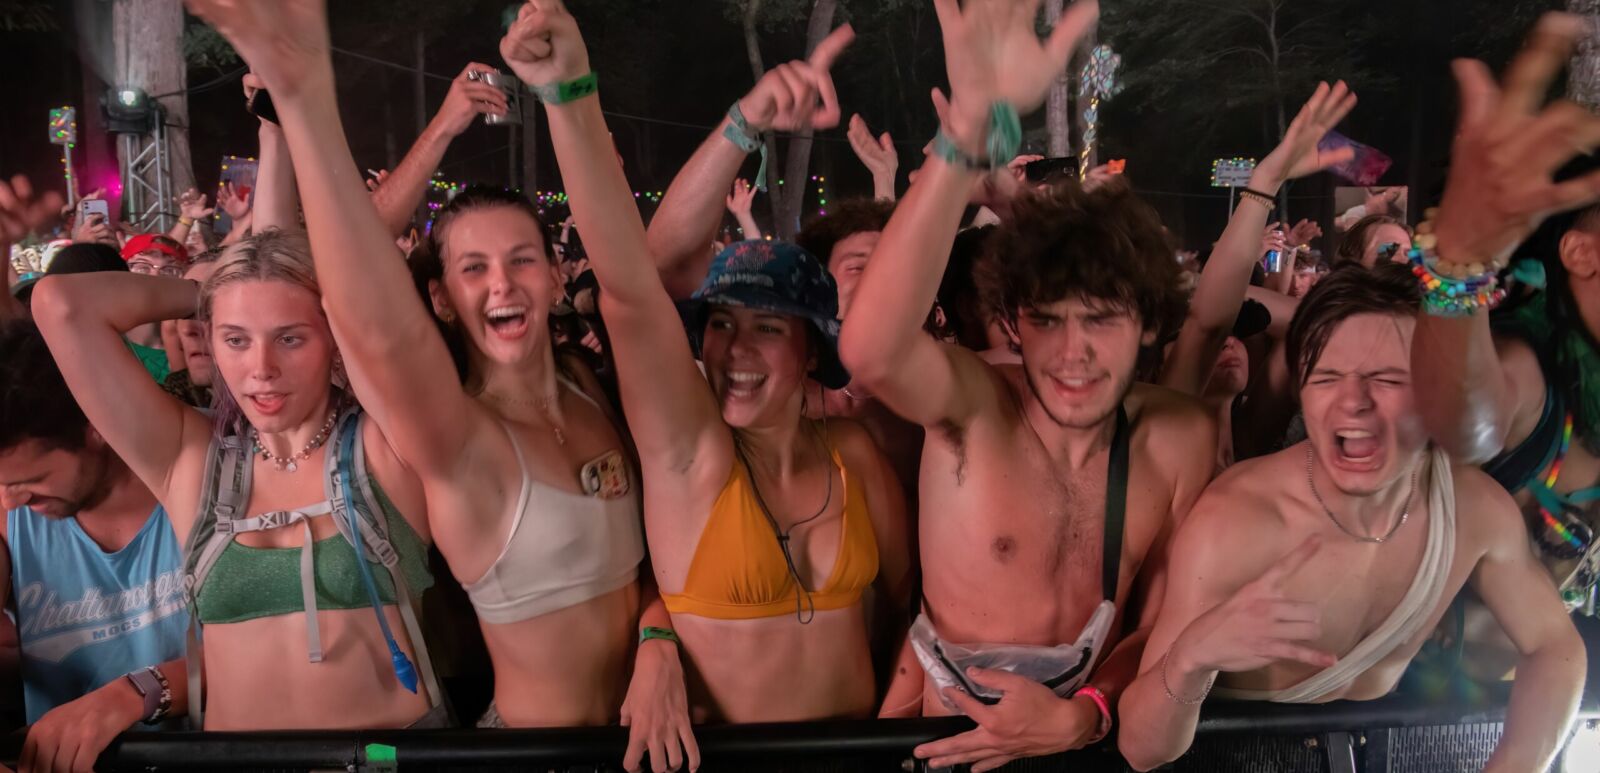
[(1051, 168), (89, 207), (1366, 168), (260, 106)]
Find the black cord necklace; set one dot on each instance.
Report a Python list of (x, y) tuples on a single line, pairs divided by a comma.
[(803, 603)]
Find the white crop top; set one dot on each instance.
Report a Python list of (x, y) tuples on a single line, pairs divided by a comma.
[(564, 549)]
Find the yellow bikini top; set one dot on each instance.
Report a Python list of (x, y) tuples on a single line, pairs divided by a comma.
[(739, 571)]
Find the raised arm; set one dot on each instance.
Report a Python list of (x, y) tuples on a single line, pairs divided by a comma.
[(82, 317), (784, 99), (276, 203), (191, 210), (877, 155), (671, 413), (1498, 190), (739, 201), (993, 56), (396, 361), (402, 191), (1226, 277)]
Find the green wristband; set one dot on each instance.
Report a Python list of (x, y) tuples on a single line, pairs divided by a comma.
[(651, 632), (566, 91)]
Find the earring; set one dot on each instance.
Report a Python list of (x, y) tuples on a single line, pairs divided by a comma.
[(447, 316)]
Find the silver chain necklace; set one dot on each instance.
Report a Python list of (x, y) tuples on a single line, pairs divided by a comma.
[(291, 463), (1405, 513)]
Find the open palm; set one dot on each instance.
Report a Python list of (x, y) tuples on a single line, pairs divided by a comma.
[(1298, 155), (993, 54)]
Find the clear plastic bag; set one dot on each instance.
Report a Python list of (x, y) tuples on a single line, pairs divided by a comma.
[(1063, 668)]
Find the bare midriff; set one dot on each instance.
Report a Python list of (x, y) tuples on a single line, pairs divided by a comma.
[(775, 669), (565, 668), (258, 675)]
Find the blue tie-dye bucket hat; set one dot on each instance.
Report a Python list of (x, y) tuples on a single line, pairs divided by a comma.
[(779, 277)]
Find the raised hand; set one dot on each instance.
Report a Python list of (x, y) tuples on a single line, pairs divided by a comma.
[(1098, 177), (543, 46), (992, 54), (377, 180), (192, 205), (1257, 626), (234, 200), (1297, 154), (284, 42), (799, 95), (740, 199), (468, 99), (22, 211), (1507, 148), (1303, 232), (878, 155)]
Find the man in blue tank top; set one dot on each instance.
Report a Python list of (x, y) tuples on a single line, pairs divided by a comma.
[(92, 566)]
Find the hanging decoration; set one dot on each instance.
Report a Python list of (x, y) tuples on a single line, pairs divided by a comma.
[(64, 132), (1097, 81)]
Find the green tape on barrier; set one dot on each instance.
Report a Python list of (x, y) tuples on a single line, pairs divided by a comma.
[(381, 757)]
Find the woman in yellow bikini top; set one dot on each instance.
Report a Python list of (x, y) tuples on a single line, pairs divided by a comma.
[(764, 528)]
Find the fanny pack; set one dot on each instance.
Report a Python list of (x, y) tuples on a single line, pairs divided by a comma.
[(1062, 668)]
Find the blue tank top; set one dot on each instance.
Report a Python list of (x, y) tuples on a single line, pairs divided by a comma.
[(86, 617)]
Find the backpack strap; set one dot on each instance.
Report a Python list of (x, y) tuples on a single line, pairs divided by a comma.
[(350, 490), (1116, 507), (221, 487)]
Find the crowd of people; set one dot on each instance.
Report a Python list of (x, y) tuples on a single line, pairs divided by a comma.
[(1036, 467)]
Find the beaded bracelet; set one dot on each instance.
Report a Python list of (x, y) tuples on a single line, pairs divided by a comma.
[(1452, 289), (1258, 197), (1002, 144), (566, 91)]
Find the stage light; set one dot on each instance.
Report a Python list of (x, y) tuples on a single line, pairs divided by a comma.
[(128, 110)]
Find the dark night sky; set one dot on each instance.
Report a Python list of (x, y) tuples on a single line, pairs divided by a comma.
[(683, 63)]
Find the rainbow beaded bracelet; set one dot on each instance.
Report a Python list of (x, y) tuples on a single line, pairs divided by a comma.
[(1450, 289)]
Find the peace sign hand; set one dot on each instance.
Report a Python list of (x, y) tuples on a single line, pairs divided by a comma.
[(1506, 149), (799, 95), (1257, 626)]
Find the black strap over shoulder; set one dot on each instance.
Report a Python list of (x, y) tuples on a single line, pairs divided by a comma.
[(1116, 507)]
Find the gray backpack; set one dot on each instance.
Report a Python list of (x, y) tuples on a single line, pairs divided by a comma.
[(350, 500)]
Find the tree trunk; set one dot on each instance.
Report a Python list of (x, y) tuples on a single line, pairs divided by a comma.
[(799, 160), (148, 54), (1058, 106), (752, 49), (420, 81), (1583, 82)]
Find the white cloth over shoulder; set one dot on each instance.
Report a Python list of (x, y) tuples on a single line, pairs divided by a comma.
[(1408, 617)]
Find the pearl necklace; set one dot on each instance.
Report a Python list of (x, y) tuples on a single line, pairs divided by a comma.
[(291, 463)]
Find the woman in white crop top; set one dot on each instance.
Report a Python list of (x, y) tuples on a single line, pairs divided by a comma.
[(530, 483)]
